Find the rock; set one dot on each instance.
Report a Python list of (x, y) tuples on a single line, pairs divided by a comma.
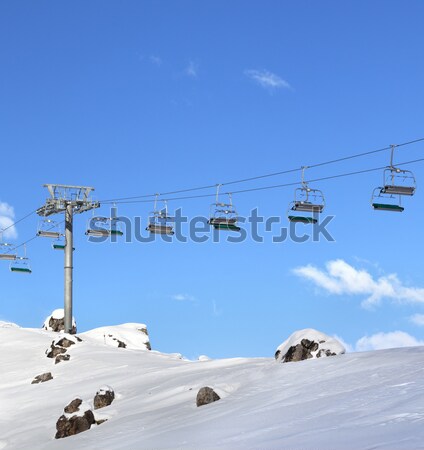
[(104, 397), (60, 358), (78, 417), (65, 342), (42, 378), (76, 424), (56, 322), (206, 395), (55, 351), (307, 344), (73, 406)]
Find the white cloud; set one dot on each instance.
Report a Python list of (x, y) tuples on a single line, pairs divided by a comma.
[(340, 278), (7, 217), (380, 341), (417, 319), (192, 69), (267, 79), (156, 60), (183, 298)]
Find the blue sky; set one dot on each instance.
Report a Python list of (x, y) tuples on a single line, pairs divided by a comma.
[(138, 97)]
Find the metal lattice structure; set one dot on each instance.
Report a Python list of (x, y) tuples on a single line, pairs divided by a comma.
[(69, 200)]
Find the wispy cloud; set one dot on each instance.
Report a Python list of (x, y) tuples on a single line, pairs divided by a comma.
[(183, 298), (340, 278), (417, 319), (267, 80), (215, 310), (156, 60), (7, 217), (192, 69), (380, 341)]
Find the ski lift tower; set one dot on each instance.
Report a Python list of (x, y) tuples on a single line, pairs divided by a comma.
[(69, 200)]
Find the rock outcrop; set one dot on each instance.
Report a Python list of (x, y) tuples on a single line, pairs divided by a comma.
[(77, 417), (104, 397), (60, 346), (42, 378), (56, 322), (307, 344), (206, 395)]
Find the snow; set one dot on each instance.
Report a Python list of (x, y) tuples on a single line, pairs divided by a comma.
[(325, 342), (56, 314), (134, 335), (353, 401)]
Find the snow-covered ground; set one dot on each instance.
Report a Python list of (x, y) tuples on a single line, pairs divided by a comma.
[(371, 400)]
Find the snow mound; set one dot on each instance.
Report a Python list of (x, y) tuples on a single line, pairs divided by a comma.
[(4, 324), (307, 344), (56, 321), (133, 336)]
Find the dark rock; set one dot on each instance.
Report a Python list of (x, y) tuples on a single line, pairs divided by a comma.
[(65, 342), (59, 325), (301, 351), (99, 422), (104, 397), (60, 358), (206, 395), (323, 352), (54, 351), (73, 406), (42, 378), (76, 424), (120, 343), (78, 338)]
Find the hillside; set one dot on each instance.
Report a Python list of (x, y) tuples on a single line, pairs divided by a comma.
[(354, 401)]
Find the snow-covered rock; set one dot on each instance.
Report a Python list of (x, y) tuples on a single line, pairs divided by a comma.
[(77, 417), (56, 322), (203, 358), (104, 397), (306, 344), (128, 335)]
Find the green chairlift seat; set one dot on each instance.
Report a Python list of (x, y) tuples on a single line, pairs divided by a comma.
[(21, 269), (387, 207), (302, 219)]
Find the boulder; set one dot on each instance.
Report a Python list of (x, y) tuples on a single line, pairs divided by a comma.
[(61, 358), (77, 417), (104, 397), (42, 378), (206, 395), (307, 344), (56, 322)]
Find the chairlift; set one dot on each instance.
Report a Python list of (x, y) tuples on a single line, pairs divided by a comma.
[(306, 200), (48, 228), (104, 227), (383, 201), (60, 244), (223, 216), (159, 220), (398, 181), (21, 264), (7, 252)]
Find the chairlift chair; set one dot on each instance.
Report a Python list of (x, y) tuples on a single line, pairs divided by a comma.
[(383, 201), (21, 264), (306, 200), (109, 227), (48, 228), (7, 252), (159, 220), (223, 216)]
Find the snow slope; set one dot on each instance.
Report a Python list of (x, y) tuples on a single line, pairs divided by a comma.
[(354, 401)]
